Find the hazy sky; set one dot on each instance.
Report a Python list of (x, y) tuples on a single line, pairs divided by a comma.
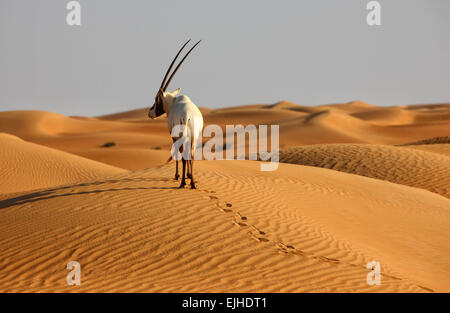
[(253, 51)]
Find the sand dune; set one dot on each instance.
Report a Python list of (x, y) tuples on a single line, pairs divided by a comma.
[(431, 113), (386, 116), (136, 115), (27, 166), (127, 115), (40, 124), (443, 149), (353, 122), (440, 145), (297, 229), (120, 157), (429, 141), (85, 136), (399, 165), (349, 107)]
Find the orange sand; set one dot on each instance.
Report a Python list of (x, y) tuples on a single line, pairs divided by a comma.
[(350, 197)]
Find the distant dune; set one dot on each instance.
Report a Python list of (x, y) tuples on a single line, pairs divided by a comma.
[(299, 229), (127, 115), (133, 131), (27, 166), (85, 136), (399, 165), (137, 114), (129, 158)]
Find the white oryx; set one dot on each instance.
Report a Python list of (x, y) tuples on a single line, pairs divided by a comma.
[(182, 114)]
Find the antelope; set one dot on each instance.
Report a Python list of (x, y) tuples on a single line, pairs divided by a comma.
[(181, 112)]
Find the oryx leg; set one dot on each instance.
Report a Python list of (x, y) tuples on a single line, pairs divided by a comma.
[(183, 181), (192, 174), (188, 164), (176, 165), (183, 176), (189, 169), (176, 170), (191, 161)]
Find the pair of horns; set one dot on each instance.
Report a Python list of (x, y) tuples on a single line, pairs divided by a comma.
[(164, 85)]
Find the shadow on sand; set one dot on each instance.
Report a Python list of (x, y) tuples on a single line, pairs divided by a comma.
[(52, 193)]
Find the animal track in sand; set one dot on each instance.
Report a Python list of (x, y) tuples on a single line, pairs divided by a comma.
[(239, 223), (243, 218), (261, 237)]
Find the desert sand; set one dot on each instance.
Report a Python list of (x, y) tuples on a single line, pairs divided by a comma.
[(26, 166), (353, 193), (401, 165)]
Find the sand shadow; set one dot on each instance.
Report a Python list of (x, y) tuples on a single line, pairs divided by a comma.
[(50, 193)]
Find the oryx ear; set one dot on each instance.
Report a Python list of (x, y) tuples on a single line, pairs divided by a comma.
[(175, 93)]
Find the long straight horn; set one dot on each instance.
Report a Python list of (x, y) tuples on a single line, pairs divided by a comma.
[(171, 64), (178, 66)]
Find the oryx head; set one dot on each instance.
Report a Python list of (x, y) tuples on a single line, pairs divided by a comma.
[(163, 95)]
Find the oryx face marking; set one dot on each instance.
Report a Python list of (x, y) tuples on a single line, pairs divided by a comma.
[(158, 107)]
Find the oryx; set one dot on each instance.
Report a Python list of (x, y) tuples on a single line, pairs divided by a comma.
[(182, 114)]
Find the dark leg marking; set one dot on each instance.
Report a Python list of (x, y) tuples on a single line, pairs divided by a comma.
[(176, 170), (183, 179), (189, 169), (191, 161)]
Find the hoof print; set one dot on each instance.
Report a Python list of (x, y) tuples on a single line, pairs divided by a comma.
[(240, 224)]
